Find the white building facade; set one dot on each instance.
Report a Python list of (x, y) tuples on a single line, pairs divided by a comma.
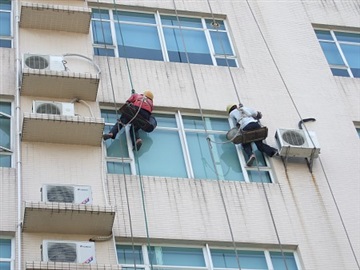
[(186, 199)]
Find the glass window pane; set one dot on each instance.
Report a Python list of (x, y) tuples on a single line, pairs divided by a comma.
[(248, 259), (340, 72), (109, 116), (134, 17), (4, 132), (101, 32), (161, 154), (331, 53), (178, 256), (5, 4), (258, 176), (101, 14), (5, 29), (356, 72), (5, 266), (184, 21), (165, 120), (352, 55), (104, 52), (196, 46), (128, 254), (5, 107), (118, 147), (350, 37), (279, 263), (5, 161), (226, 62), (323, 34), (221, 43), (209, 24), (358, 131), (5, 248), (118, 168), (5, 43), (192, 122), (141, 42)]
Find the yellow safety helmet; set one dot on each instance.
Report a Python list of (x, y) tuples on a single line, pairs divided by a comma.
[(230, 107), (149, 94)]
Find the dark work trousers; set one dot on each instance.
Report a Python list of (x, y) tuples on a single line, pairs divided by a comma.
[(134, 129), (263, 147)]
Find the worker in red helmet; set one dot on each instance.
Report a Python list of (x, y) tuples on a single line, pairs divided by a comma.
[(143, 104), (248, 119)]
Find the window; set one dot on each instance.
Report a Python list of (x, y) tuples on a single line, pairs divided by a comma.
[(161, 37), (5, 134), (342, 51), (183, 140), (6, 254), (166, 257), (5, 22)]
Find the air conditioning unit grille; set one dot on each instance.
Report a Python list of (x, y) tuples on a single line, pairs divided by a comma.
[(293, 138), (60, 194), (48, 108), (62, 252), (36, 62)]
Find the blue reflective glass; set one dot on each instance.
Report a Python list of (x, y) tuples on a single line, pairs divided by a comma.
[(129, 254), (141, 42), (5, 131), (5, 161), (209, 24), (259, 176), (349, 37), (195, 42), (356, 72), (118, 147), (248, 259), (352, 55), (5, 43), (101, 32), (5, 248), (5, 29), (226, 62), (118, 168), (221, 43), (5, 107), (340, 72), (358, 131), (331, 53), (323, 34), (166, 120), (134, 17), (109, 116), (279, 262), (5, 4), (178, 256), (5, 266), (193, 122), (184, 21), (100, 14), (161, 154), (104, 52)]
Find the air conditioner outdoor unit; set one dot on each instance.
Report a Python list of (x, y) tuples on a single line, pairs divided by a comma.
[(44, 62), (66, 194), (68, 251), (297, 143), (53, 107)]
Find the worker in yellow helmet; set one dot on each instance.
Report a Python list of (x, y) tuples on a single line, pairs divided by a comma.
[(143, 105), (248, 119)]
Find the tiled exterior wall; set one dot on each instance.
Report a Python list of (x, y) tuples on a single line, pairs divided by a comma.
[(188, 210)]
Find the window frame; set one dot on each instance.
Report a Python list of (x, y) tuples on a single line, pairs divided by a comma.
[(338, 43), (206, 250), (5, 151), (12, 257), (160, 31), (181, 131), (10, 37)]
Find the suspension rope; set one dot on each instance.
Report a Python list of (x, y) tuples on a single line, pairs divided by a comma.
[(207, 134), (118, 126), (215, 25), (294, 104), (136, 150)]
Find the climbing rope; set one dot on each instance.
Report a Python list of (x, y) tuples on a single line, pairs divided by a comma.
[(298, 112), (207, 135)]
